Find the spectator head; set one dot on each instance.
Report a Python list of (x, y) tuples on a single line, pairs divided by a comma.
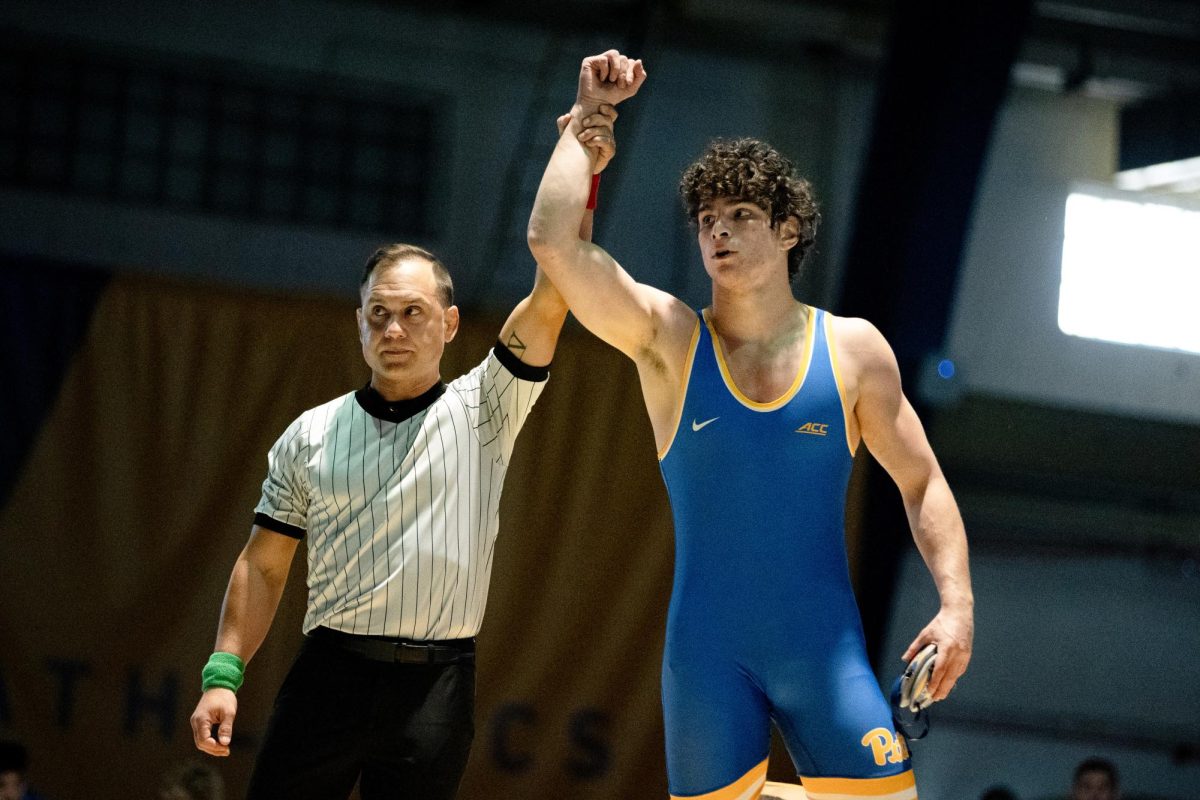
[(1095, 779), (14, 762), (192, 780)]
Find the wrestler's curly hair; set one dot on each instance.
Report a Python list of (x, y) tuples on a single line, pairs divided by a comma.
[(752, 170)]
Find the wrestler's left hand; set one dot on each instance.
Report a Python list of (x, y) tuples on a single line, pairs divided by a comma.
[(953, 630)]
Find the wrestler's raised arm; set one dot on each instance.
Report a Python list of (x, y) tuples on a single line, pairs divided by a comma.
[(648, 325)]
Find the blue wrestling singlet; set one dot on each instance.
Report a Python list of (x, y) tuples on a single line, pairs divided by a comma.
[(763, 623)]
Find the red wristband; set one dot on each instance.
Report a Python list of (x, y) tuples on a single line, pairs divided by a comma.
[(591, 203)]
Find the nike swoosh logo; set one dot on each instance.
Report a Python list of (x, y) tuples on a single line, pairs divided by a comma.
[(698, 425)]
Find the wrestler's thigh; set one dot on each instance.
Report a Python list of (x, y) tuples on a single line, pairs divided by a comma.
[(841, 726), (717, 729)]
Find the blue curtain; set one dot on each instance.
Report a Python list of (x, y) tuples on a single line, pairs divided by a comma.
[(45, 310)]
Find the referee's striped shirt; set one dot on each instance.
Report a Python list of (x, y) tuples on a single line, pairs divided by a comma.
[(400, 500)]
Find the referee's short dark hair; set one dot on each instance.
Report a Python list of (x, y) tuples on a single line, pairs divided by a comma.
[(395, 253)]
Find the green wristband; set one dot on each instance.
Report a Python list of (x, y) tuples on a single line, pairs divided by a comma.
[(224, 671)]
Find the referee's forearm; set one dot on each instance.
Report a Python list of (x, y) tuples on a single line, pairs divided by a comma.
[(248, 609), (545, 299)]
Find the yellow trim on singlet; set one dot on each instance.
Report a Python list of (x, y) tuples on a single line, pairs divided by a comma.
[(683, 387), (837, 378), (895, 787), (810, 328), (747, 787)]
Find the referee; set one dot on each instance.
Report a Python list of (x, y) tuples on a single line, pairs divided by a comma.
[(396, 487)]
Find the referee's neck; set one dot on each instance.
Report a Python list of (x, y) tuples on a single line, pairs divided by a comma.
[(395, 391)]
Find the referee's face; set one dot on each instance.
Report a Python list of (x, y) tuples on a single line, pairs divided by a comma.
[(404, 328)]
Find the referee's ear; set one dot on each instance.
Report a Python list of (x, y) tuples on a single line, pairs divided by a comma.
[(450, 320)]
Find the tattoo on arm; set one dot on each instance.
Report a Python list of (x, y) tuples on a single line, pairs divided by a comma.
[(515, 344)]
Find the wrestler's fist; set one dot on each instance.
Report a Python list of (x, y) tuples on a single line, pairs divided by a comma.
[(608, 78)]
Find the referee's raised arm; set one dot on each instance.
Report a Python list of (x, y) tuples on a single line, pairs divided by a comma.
[(531, 331)]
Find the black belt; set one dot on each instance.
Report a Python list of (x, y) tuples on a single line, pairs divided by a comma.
[(399, 651)]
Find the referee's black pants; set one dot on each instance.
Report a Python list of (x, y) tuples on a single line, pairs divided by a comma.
[(404, 729)]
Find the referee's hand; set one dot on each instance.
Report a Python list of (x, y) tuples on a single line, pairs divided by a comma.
[(216, 709)]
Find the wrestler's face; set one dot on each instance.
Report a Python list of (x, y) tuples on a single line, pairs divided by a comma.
[(404, 327), (738, 243), (1093, 785)]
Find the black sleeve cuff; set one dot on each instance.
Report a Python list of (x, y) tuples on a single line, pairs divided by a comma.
[(519, 368), (272, 524)]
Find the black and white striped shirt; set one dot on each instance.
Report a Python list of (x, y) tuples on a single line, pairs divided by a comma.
[(400, 500)]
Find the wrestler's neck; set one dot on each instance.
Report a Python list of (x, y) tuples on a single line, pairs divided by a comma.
[(760, 314)]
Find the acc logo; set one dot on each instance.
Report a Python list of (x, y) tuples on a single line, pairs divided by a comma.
[(815, 428), (886, 747)]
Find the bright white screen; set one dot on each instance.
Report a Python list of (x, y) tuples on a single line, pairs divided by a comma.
[(1131, 272)]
